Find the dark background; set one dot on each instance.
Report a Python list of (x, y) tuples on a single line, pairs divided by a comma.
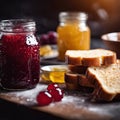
[(104, 15)]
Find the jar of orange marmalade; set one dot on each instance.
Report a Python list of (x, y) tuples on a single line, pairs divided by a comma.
[(73, 32)]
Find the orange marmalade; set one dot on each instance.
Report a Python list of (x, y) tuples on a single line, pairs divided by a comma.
[(73, 33)]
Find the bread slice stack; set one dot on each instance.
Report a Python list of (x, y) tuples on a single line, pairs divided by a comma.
[(96, 68), (94, 57)]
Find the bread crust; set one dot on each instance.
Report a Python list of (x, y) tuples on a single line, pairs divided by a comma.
[(73, 60), (107, 60), (100, 95), (74, 81), (83, 81), (71, 81), (90, 60), (77, 69)]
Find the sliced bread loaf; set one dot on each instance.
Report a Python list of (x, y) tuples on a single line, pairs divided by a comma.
[(106, 81), (94, 57)]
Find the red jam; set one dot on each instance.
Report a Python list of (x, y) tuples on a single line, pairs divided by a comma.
[(20, 59)]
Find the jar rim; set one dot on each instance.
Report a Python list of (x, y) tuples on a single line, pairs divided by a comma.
[(10, 22), (17, 25), (73, 15)]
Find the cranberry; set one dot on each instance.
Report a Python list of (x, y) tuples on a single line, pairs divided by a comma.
[(57, 94), (44, 98), (52, 86), (52, 94)]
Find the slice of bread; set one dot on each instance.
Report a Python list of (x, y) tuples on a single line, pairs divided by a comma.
[(94, 57), (77, 69), (74, 81), (106, 81), (71, 81)]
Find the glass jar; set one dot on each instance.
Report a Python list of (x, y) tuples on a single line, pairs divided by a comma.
[(73, 32), (20, 54)]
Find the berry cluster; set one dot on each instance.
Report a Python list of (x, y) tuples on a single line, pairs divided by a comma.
[(52, 94), (48, 38)]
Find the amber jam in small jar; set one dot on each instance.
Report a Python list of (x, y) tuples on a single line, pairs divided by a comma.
[(73, 32), (20, 54)]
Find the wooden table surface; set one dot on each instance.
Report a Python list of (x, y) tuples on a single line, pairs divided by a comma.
[(75, 105)]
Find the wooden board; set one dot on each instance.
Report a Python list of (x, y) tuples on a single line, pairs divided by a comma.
[(75, 105)]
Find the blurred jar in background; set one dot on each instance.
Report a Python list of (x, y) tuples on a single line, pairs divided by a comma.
[(73, 32)]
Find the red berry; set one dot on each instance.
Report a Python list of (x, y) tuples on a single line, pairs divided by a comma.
[(44, 98), (52, 36), (44, 39), (57, 94), (52, 86)]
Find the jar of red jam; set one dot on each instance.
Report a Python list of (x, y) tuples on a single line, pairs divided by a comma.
[(19, 54)]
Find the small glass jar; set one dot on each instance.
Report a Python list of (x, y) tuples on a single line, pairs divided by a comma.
[(73, 32), (20, 54)]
